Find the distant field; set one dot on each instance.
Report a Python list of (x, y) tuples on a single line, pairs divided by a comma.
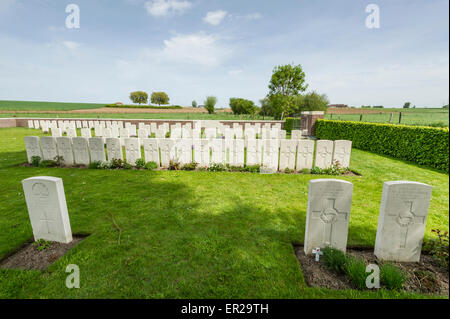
[(45, 106), (173, 116), (422, 116)]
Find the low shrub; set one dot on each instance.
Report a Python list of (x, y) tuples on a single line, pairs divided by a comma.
[(140, 163), (189, 166), (116, 163), (48, 163), (59, 160), (438, 247), (392, 277), (96, 165), (288, 124), (151, 166), (419, 144), (35, 161), (252, 168), (334, 259), (127, 165), (334, 169), (174, 166), (217, 167)]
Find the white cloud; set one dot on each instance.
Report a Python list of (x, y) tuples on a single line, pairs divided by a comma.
[(215, 17), (71, 45), (197, 48), (160, 8)]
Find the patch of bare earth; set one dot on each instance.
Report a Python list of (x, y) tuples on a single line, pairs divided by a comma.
[(426, 276), (29, 257)]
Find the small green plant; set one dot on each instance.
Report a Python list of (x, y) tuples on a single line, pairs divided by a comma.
[(305, 171), (355, 269), (127, 165), (42, 244), (174, 166), (116, 163), (317, 170), (217, 167), (253, 168), (35, 161), (95, 165), (151, 166), (48, 163), (59, 160), (438, 247), (392, 277), (287, 170), (140, 163), (334, 259), (189, 166)]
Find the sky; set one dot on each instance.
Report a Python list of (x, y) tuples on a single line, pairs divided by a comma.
[(194, 48)]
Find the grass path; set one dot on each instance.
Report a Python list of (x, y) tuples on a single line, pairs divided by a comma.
[(191, 234)]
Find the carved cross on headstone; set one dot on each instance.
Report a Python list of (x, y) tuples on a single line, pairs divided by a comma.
[(323, 151), (405, 219), (329, 215), (47, 220)]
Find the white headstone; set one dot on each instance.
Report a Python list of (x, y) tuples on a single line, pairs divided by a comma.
[(114, 149), (78, 124), (216, 150), (151, 150), (342, 151), (281, 134), (238, 152), (48, 146), (210, 132), (47, 208), (328, 214), (250, 134), (252, 152), (81, 150), (30, 124), (324, 153), (84, 124), (287, 154), (160, 133), (37, 125), (143, 133), (167, 150), (71, 132), (270, 156), (98, 131), (65, 149), (184, 151), (33, 147), (401, 223), (305, 154), (86, 132), (97, 149), (132, 150), (56, 132), (296, 134)]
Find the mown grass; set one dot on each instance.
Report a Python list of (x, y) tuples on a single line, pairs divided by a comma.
[(436, 117), (6, 105), (191, 234)]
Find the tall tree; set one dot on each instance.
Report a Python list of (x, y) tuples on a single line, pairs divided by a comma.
[(160, 98), (139, 97), (210, 103), (287, 82)]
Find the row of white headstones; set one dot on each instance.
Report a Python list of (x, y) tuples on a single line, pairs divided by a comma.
[(401, 224), (126, 129), (273, 154)]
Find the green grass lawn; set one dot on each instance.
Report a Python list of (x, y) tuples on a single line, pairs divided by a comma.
[(416, 116), (191, 234), (45, 106)]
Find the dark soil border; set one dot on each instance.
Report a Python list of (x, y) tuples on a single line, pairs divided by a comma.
[(317, 275), (28, 257)]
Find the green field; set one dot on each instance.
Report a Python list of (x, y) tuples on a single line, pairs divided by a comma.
[(166, 116), (191, 234), (426, 117), (45, 106)]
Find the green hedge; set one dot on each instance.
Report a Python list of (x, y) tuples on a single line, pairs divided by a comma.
[(144, 106), (419, 144), (288, 124)]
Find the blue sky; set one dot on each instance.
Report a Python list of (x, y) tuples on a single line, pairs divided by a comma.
[(194, 48)]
